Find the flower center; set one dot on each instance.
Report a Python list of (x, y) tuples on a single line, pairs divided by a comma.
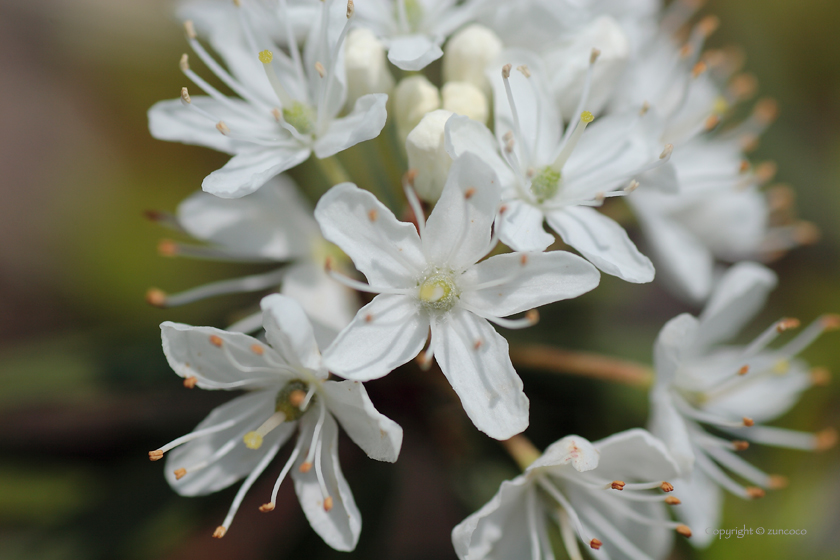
[(289, 399), (300, 116), (438, 292), (546, 184)]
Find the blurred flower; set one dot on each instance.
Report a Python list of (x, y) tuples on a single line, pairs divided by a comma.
[(431, 280), (731, 388), (286, 109), (289, 390), (599, 493)]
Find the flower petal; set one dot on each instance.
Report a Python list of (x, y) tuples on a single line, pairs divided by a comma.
[(571, 450), (274, 222), (474, 358), (463, 134), (736, 299), (386, 251), (249, 411), (521, 227), (289, 332), (458, 231), (214, 357), (340, 527), (170, 120), (364, 122), (385, 334), (413, 52), (379, 436), (675, 340), (636, 456), (251, 168), (603, 242), (668, 425), (530, 280), (701, 508)]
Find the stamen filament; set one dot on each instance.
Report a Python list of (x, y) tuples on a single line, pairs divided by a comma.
[(253, 283), (252, 477), (283, 96), (194, 435), (517, 129), (567, 533), (286, 468), (569, 145), (567, 507)]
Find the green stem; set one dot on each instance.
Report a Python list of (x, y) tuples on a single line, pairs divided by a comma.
[(521, 450), (332, 170)]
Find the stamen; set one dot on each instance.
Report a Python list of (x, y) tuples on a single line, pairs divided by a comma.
[(569, 145), (156, 297), (820, 376), (283, 96), (359, 286), (158, 453), (190, 382), (672, 501), (517, 129), (328, 502), (809, 335), (316, 434), (683, 530), (320, 69), (706, 417), (567, 507), (255, 283), (754, 492), (532, 317), (567, 533), (414, 201), (254, 440)]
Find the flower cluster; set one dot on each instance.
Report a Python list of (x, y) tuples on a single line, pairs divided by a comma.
[(592, 101)]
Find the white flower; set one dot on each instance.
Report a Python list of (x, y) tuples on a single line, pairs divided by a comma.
[(367, 70), (731, 388), (425, 147), (414, 30), (467, 54), (414, 97), (599, 492), (272, 225), (546, 175), (465, 99), (286, 109), (288, 390), (431, 280)]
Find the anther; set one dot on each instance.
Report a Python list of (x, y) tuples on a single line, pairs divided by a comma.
[(712, 122), (409, 177), (189, 29), (278, 116), (617, 485), (766, 171), (296, 398), (328, 264), (190, 382), (506, 71), (820, 376), (468, 194), (644, 110), (305, 467), (533, 316), (744, 370), (708, 25), (786, 324), (156, 455), (831, 322), (267, 507), (215, 341), (745, 166), (587, 117), (180, 473), (740, 445), (595, 544), (252, 440), (806, 233), (351, 9), (667, 486), (766, 110), (478, 344), (266, 56), (698, 69), (666, 153), (672, 501), (156, 297), (631, 187), (328, 503), (372, 215), (257, 349), (167, 248), (320, 69), (743, 86), (594, 55), (686, 51), (223, 128), (826, 439), (368, 318), (683, 530), (219, 532), (523, 259), (184, 65), (755, 492), (777, 482), (748, 422), (524, 70)]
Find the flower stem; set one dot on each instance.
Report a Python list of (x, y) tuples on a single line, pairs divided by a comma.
[(586, 364), (521, 450), (332, 170)]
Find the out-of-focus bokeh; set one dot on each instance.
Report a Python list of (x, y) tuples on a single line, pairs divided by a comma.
[(85, 390)]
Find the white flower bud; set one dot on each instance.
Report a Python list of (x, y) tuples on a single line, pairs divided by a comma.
[(465, 99), (367, 69), (468, 53), (568, 62), (427, 155), (413, 98)]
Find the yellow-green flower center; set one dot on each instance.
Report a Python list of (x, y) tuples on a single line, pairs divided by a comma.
[(299, 116), (438, 292), (290, 398), (545, 184)]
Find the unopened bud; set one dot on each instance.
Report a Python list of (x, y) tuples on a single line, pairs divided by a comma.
[(427, 155), (467, 55), (413, 98), (464, 98), (365, 65)]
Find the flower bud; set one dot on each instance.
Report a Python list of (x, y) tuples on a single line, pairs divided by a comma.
[(427, 155), (468, 53), (568, 63), (367, 69), (413, 98), (465, 99)]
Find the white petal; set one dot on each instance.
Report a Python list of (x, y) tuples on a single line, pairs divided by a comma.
[(676, 339), (521, 227), (193, 352), (635, 455), (668, 425), (340, 527), (533, 279), (364, 122), (252, 168), (379, 436), (458, 231), (603, 242), (252, 410), (386, 251), (701, 508), (273, 222), (385, 334), (413, 52), (499, 530), (736, 299), (474, 358), (571, 450), (329, 305), (463, 134), (681, 259), (289, 332)]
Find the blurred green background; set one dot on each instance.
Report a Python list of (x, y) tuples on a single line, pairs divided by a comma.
[(84, 388)]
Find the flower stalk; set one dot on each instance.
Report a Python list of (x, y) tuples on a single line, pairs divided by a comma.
[(586, 364)]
